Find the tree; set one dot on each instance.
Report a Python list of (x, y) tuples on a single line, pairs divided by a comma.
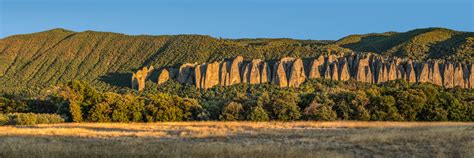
[(232, 112), (351, 105), (320, 112), (160, 107), (135, 107), (101, 113), (258, 113), (455, 109), (382, 108), (285, 106), (190, 107), (12, 105), (410, 102)]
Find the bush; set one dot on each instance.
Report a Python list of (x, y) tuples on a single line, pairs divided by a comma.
[(11, 104), (316, 111), (410, 102), (232, 112), (258, 114), (285, 106), (3, 119), (100, 113), (161, 107), (48, 119), (212, 109), (382, 108), (23, 119), (32, 119)]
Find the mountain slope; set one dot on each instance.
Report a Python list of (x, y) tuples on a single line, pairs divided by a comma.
[(33, 61), (417, 44), (30, 62)]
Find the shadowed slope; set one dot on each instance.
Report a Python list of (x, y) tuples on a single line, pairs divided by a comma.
[(418, 44)]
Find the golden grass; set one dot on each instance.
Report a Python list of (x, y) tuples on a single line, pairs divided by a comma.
[(239, 139), (194, 129)]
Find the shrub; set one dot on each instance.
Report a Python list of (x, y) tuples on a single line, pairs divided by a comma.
[(190, 107), (23, 119), (12, 104), (409, 103), (32, 119), (135, 108), (161, 107), (382, 108), (48, 119), (3, 119), (100, 113), (285, 107), (232, 112), (316, 111), (257, 113), (75, 111), (212, 109)]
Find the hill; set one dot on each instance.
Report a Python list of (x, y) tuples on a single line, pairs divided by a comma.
[(31, 62), (419, 44)]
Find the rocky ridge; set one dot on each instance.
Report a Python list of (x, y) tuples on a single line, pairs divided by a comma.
[(291, 72)]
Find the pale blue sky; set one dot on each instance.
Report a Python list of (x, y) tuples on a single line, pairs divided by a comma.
[(301, 19)]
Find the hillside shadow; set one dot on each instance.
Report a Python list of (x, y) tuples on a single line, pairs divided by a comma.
[(364, 42), (445, 48), (379, 43), (118, 79)]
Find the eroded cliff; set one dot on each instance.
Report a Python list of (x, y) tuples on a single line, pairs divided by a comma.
[(292, 72)]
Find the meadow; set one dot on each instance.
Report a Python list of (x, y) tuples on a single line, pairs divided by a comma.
[(240, 139)]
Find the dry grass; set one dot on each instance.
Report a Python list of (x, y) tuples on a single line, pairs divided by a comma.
[(239, 139)]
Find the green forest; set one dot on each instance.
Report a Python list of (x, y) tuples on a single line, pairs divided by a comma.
[(317, 99)]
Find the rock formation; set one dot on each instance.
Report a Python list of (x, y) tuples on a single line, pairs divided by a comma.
[(256, 72), (139, 78), (471, 76), (410, 72), (223, 73), (423, 72), (163, 76), (291, 72), (316, 67), (344, 73), (434, 75), (210, 75), (448, 75), (297, 74), (185, 73), (362, 70), (458, 77), (281, 71), (234, 71)]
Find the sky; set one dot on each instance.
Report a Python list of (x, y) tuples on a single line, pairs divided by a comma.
[(299, 19)]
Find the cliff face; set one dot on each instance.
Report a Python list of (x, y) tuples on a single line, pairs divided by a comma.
[(139, 78), (291, 72)]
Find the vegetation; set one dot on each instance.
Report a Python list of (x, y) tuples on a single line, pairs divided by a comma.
[(420, 44), (31, 63), (318, 99), (29, 119), (84, 77), (240, 139)]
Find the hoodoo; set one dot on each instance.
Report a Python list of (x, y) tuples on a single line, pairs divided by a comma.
[(291, 72)]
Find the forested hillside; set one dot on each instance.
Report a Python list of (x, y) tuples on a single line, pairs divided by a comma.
[(419, 44), (31, 62)]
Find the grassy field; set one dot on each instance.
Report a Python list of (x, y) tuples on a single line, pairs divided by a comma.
[(240, 139)]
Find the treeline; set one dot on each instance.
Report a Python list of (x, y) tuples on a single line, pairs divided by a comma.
[(29, 119), (317, 99)]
